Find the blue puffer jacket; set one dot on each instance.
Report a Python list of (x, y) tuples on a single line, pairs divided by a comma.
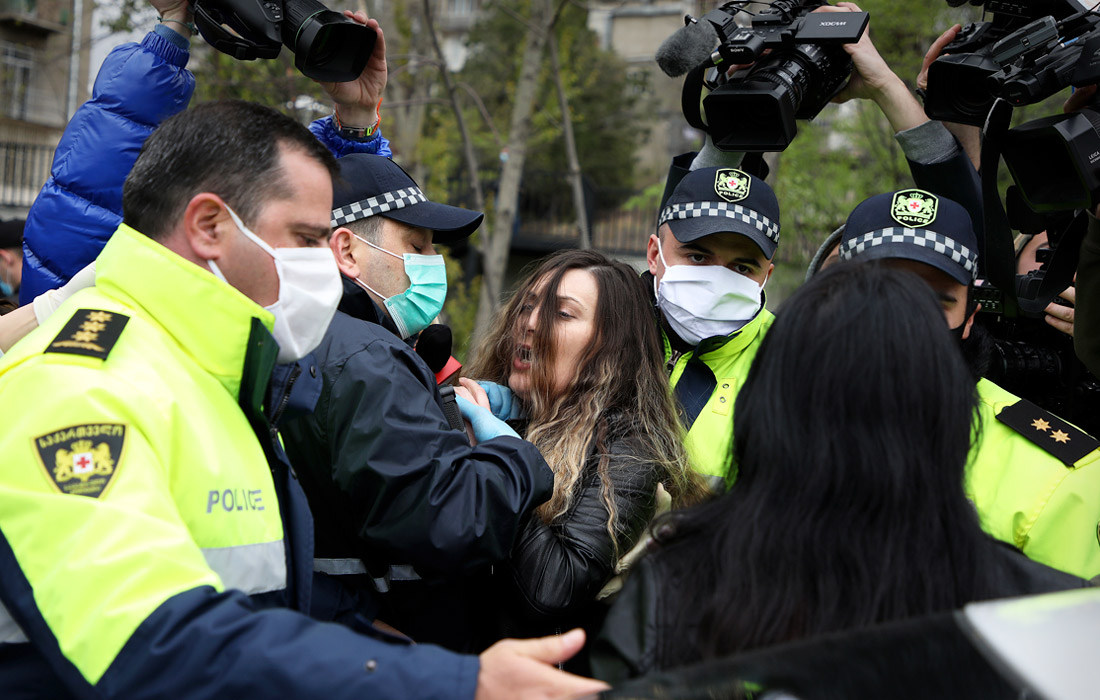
[(80, 206)]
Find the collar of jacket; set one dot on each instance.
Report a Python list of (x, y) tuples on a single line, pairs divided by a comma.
[(210, 320), (358, 304), (733, 343)]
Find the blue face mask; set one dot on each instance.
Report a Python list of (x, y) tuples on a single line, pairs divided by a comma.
[(6, 289), (414, 309)]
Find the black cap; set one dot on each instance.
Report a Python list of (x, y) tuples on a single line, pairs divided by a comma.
[(11, 233), (371, 185), (723, 200), (913, 224)]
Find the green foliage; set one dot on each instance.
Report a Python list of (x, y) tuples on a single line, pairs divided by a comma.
[(849, 152), (275, 83), (646, 200), (460, 309), (125, 15), (835, 163), (598, 94)]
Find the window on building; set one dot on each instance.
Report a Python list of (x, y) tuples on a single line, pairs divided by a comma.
[(16, 64)]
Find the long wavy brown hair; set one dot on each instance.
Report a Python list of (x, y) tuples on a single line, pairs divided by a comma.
[(619, 388)]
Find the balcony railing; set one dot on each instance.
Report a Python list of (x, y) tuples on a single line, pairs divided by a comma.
[(24, 168)]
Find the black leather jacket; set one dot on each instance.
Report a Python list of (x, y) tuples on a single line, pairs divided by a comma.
[(557, 569)]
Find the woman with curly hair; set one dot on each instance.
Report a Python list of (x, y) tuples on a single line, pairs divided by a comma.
[(576, 351)]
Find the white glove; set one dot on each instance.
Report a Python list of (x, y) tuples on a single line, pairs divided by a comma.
[(48, 302)]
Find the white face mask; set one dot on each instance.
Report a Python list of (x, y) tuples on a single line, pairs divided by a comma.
[(309, 292), (704, 301)]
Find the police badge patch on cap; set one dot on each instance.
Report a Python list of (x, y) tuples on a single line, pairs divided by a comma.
[(82, 460), (914, 208), (732, 184)]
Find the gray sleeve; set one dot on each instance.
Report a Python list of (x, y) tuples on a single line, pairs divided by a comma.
[(928, 143)]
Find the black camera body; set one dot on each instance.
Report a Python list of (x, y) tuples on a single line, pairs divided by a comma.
[(1029, 51), (327, 46), (755, 109), (1030, 358)]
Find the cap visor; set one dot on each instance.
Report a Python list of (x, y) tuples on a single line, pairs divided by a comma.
[(905, 251), (688, 230), (449, 223)]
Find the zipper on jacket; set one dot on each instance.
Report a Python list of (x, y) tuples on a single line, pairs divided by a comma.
[(673, 358), (294, 374)]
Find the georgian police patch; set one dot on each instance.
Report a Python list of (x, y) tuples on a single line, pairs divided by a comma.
[(914, 208), (732, 184), (82, 460)]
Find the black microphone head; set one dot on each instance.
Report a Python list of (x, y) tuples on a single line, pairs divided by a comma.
[(686, 48), (434, 346)]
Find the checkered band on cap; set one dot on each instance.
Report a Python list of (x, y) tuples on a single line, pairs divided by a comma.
[(936, 242), (388, 201), (693, 210)]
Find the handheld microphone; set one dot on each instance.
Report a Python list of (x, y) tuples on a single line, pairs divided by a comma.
[(434, 347)]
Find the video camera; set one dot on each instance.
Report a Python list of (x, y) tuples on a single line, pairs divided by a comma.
[(327, 46), (1029, 357), (755, 109), (1031, 50)]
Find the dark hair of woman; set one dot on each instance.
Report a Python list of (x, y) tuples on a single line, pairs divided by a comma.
[(851, 434)]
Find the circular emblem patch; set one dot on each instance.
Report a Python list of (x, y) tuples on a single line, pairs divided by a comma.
[(914, 208), (732, 184)]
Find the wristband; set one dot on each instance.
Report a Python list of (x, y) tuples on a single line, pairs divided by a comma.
[(357, 133), (190, 25)]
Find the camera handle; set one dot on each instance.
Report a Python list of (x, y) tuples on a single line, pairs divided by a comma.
[(999, 254), (691, 97)]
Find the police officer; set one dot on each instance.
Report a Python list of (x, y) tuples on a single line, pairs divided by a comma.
[(149, 531), (708, 264), (1034, 478), (403, 504)]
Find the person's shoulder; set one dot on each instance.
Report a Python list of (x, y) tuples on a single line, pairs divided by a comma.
[(1019, 419), (1019, 575), (346, 336), (355, 350)]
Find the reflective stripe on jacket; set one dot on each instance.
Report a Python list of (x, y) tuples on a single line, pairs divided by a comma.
[(121, 581)]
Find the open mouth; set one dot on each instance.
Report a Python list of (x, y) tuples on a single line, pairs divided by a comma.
[(524, 354)]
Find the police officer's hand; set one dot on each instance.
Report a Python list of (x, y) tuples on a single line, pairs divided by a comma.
[(357, 100), (524, 670), (480, 421)]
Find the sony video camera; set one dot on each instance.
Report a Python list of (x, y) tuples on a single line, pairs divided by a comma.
[(327, 46), (755, 109)]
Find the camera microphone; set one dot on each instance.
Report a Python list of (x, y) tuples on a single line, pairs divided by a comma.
[(686, 48)]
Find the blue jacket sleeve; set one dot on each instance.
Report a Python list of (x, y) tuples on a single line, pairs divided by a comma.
[(326, 133), (138, 87)]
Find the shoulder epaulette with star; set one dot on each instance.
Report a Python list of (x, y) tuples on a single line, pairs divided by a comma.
[(89, 332), (1048, 431)]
